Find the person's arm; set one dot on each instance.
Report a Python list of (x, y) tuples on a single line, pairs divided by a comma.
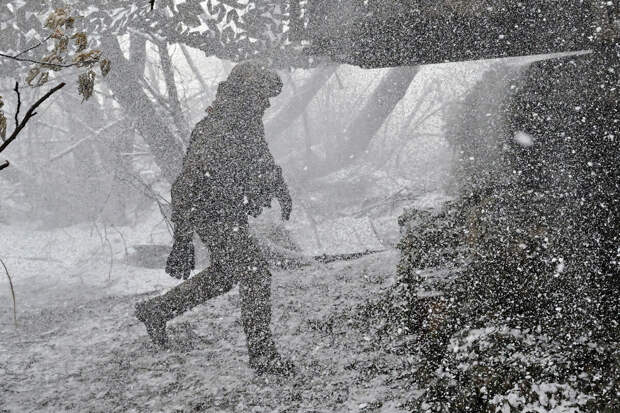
[(276, 186), (183, 192), (282, 194), (181, 261)]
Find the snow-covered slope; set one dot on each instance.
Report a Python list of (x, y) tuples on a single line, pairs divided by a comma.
[(94, 356)]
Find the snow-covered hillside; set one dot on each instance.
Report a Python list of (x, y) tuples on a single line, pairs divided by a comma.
[(93, 355)]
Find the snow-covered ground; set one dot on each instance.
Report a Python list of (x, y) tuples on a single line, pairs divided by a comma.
[(78, 346), (68, 265)]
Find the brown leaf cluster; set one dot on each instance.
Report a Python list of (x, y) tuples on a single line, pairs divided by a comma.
[(81, 41), (105, 66), (59, 18), (70, 50), (86, 84)]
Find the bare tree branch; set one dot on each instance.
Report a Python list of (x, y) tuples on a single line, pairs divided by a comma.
[(12, 289), (19, 103), (70, 149), (193, 67), (35, 46), (94, 134), (44, 64), (29, 114)]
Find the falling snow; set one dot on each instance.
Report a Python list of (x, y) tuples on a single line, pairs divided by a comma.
[(309, 206)]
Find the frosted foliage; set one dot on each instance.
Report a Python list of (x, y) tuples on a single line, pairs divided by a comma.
[(310, 206)]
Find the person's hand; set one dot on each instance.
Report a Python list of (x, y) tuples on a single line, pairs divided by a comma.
[(180, 262), (286, 204)]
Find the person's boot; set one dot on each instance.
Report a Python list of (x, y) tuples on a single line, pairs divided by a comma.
[(273, 365), (155, 322), (268, 361)]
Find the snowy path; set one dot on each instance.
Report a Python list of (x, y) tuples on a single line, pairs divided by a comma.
[(95, 356)]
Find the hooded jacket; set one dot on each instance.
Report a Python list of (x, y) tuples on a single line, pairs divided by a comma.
[(228, 170)]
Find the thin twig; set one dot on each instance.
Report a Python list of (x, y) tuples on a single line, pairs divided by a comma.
[(12, 292), (35, 46), (105, 232), (160, 99), (44, 64), (104, 241), (74, 145), (29, 114), (70, 149), (46, 259), (144, 153), (19, 103), (122, 238)]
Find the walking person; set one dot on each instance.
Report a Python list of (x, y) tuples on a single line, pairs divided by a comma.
[(228, 173)]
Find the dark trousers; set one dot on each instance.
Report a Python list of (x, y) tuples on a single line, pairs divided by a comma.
[(235, 259)]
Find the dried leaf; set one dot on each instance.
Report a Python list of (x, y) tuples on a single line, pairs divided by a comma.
[(32, 73), (43, 79), (62, 44), (86, 84), (87, 58), (81, 41), (3, 122), (58, 34), (49, 22), (56, 19), (3, 125), (105, 66)]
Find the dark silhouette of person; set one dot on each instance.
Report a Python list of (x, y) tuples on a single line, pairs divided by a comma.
[(228, 173)]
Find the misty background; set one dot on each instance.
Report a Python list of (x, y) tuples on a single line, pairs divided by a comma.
[(453, 244)]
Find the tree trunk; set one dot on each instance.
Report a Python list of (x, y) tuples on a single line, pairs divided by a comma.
[(298, 103), (194, 68), (125, 84), (377, 109), (137, 53), (356, 137), (173, 93)]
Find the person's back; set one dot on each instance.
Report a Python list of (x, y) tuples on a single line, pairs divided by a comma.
[(228, 167)]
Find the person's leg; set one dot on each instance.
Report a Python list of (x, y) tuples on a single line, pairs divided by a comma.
[(238, 255), (255, 294), (207, 284)]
